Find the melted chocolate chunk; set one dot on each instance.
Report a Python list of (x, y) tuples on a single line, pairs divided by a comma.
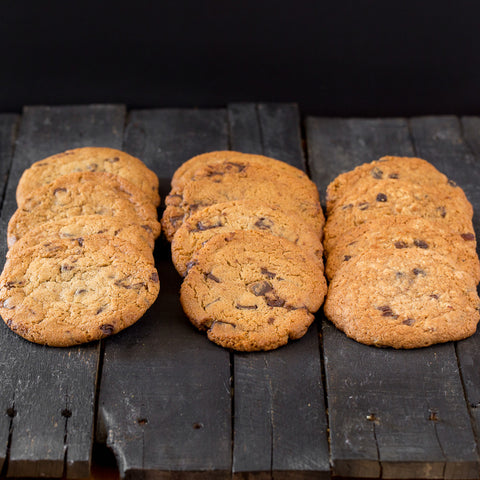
[(387, 311), (409, 322), (202, 227), (224, 322), (376, 173), (191, 264), (239, 167), (154, 277), (346, 258), (381, 197), (10, 285), (267, 273), (435, 296), (211, 276), (264, 223), (177, 218), (245, 307), (261, 288), (394, 176), (420, 243), (419, 271), (59, 190), (468, 237), (107, 329), (79, 291), (400, 244), (363, 205), (275, 302)]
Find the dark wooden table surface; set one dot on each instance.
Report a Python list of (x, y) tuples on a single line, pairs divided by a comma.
[(169, 403)]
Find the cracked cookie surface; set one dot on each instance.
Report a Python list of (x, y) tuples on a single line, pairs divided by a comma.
[(85, 225), (83, 193), (252, 290), (400, 232), (230, 216), (230, 181), (89, 159), (403, 298), (69, 291), (409, 169)]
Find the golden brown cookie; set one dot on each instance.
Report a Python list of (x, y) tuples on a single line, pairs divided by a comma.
[(83, 193), (241, 215), (188, 169), (446, 204), (85, 225), (89, 159), (69, 291), (406, 169), (400, 232), (403, 298), (230, 181), (252, 290)]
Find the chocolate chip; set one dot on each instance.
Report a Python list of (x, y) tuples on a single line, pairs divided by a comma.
[(8, 304), (261, 288), (202, 227), (394, 176), (363, 205), (111, 160), (435, 296), (92, 167), (398, 275), (59, 190), (346, 258), (267, 273), (419, 271), (452, 183), (10, 285), (104, 230), (66, 268), (79, 291), (346, 207), (154, 277), (224, 322), (400, 244), (387, 311), (376, 173), (107, 329), (420, 243), (275, 302), (468, 237), (263, 223), (381, 197), (80, 241), (442, 211), (147, 228), (115, 233), (239, 167), (271, 320), (245, 307), (211, 276), (409, 321), (191, 264), (100, 310), (175, 219)]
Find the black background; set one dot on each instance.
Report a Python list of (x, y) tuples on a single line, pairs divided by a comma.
[(363, 57)]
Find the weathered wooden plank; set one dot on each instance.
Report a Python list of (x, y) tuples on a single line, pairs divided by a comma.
[(8, 131), (392, 414), (50, 392), (165, 394), (279, 418)]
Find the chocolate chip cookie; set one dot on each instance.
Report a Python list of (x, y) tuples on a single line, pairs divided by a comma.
[(403, 298), (252, 290), (89, 159), (400, 232), (83, 193), (407, 169), (82, 226), (230, 181), (241, 215), (69, 291)]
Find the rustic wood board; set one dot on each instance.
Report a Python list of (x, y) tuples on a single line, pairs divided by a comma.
[(392, 414), (50, 392)]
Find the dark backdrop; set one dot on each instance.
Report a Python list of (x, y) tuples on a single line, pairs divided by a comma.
[(359, 57)]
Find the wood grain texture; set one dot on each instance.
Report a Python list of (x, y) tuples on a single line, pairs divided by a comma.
[(392, 414), (51, 391), (165, 393), (280, 427)]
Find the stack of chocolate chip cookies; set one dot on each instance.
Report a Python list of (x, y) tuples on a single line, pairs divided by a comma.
[(246, 235), (400, 255), (80, 262)]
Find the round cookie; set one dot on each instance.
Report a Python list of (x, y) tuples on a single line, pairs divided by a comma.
[(252, 290), (403, 298), (66, 292), (84, 225), (229, 181), (188, 169), (445, 203), (399, 232), (83, 193), (408, 169), (89, 159), (230, 216)]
